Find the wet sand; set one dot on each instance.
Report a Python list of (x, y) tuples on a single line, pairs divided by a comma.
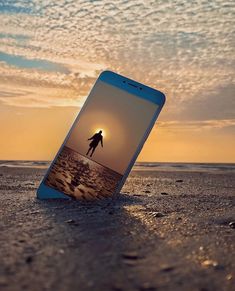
[(165, 231), (80, 177)]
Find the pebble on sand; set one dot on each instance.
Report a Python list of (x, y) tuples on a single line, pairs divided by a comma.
[(232, 224), (71, 221), (29, 259), (210, 263), (130, 255), (35, 212), (229, 277), (167, 268), (157, 214), (29, 184)]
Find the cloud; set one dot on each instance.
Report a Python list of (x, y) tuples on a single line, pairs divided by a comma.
[(219, 105), (35, 88), (23, 62), (188, 125), (179, 47), (30, 96)]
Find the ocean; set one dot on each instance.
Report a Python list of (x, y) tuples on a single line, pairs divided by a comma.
[(140, 166)]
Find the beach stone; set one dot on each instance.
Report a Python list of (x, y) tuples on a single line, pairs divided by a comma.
[(229, 277), (232, 224), (35, 212), (130, 255), (157, 214), (70, 221), (210, 263), (29, 259), (167, 269)]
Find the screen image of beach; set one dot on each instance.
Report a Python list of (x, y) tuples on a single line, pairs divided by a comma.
[(101, 144)]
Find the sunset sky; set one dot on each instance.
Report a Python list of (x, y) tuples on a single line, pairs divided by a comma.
[(51, 53)]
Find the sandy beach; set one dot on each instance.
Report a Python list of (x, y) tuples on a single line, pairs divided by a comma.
[(80, 177), (167, 230)]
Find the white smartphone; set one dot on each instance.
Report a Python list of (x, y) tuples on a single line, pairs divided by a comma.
[(104, 140)]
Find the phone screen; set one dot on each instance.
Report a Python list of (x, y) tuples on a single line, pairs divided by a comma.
[(101, 143)]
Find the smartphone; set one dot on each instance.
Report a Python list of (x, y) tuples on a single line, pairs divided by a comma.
[(104, 141)]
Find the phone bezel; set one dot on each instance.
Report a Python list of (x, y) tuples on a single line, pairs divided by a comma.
[(130, 86)]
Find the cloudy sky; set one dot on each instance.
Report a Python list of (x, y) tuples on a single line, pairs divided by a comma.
[(51, 52)]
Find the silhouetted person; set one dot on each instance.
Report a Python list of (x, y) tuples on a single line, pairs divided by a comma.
[(96, 138)]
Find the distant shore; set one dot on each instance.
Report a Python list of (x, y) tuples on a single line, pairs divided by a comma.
[(147, 166), (167, 230)]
